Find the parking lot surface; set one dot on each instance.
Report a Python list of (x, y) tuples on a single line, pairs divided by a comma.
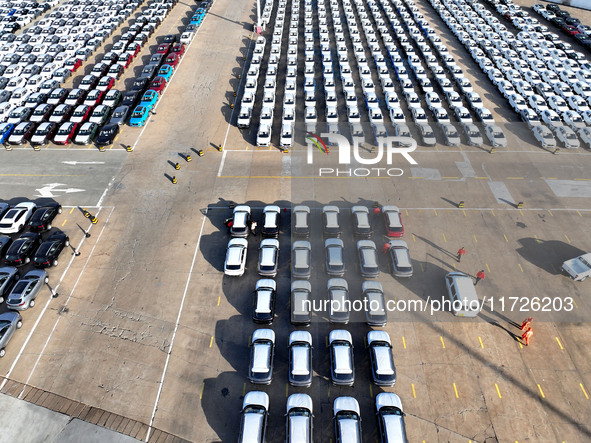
[(148, 331)]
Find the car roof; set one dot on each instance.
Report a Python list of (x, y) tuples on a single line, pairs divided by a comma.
[(256, 398)]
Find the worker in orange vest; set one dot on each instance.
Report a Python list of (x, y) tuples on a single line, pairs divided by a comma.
[(526, 323), (461, 252), (527, 335)]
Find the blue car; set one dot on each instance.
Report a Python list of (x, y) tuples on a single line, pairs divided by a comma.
[(5, 131), (200, 11), (139, 116), (166, 72), (149, 99), (196, 20)]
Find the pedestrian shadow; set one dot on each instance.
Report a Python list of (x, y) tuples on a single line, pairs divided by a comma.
[(495, 323), (439, 248), (547, 254)]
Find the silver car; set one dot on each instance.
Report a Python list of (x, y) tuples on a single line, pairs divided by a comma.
[(9, 323), (8, 276), (399, 259), (368, 259), (335, 264), (25, 292), (301, 254), (120, 115), (338, 296)]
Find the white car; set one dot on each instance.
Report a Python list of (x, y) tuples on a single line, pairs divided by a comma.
[(567, 137), (286, 138), (551, 118), (16, 218), (578, 103), (433, 100), (544, 136), (585, 136), (517, 102), (558, 104), (573, 119), (264, 135), (244, 117), (537, 103), (495, 136), (578, 268), (235, 263)]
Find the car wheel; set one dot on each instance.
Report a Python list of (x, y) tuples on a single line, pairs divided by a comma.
[(19, 324), (67, 243), (48, 226), (54, 264), (47, 278), (31, 303), (59, 211), (27, 260), (1, 299), (2, 352), (20, 228)]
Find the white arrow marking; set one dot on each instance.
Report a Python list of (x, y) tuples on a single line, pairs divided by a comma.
[(74, 163), (46, 190)]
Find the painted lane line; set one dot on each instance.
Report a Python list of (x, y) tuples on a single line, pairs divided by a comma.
[(176, 326), (224, 153)]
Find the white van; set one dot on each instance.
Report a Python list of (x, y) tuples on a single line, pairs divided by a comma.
[(462, 293)]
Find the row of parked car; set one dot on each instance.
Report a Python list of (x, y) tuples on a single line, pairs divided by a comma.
[(543, 82), (299, 418), (14, 14), (563, 20), (21, 291)]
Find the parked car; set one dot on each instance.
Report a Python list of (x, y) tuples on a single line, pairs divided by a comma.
[(300, 300), (8, 277), (271, 219), (368, 259), (393, 221), (240, 226), (399, 259), (339, 301), (301, 259), (301, 221), (235, 263), (391, 426), (462, 294), (335, 262), (25, 292), (347, 420), (263, 307), (578, 268), (268, 257), (262, 350), (383, 371), (342, 369), (21, 250), (362, 226), (300, 359), (15, 219), (9, 322), (86, 134), (254, 416), (44, 216), (376, 314), (299, 419), (107, 135), (48, 253)]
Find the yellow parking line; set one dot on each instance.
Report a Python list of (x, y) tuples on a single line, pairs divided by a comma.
[(514, 178), (584, 392), (422, 269), (219, 299), (583, 179), (449, 178), (71, 210), (435, 211), (442, 342), (444, 239), (454, 265), (211, 341), (414, 394), (416, 177), (456, 391), (567, 239), (202, 388), (328, 393), (541, 392), (498, 391), (493, 213), (579, 212), (64, 222), (481, 178), (403, 342), (550, 212), (414, 238), (559, 344), (521, 212), (520, 345), (506, 239), (487, 268), (520, 268), (480, 340), (474, 236), (464, 212)]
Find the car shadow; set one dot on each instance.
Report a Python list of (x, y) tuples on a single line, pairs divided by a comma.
[(547, 255)]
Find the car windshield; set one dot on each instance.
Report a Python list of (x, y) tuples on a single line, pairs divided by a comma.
[(118, 114), (79, 112), (138, 114), (65, 131), (44, 131), (86, 131), (20, 131)]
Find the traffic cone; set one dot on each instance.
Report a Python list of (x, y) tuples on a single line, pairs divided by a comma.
[(177, 166), (174, 180), (188, 158)]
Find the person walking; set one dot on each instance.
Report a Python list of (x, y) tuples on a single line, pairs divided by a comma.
[(526, 323), (386, 247), (527, 335), (479, 276), (253, 226), (461, 252)]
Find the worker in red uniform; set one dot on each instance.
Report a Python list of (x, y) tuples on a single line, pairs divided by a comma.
[(479, 276), (527, 335), (461, 252), (526, 323), (386, 247)]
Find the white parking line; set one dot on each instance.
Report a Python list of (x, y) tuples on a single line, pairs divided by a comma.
[(169, 81), (65, 303), (222, 162), (176, 326), (20, 353)]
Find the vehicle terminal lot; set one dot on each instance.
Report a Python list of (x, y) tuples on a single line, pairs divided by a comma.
[(151, 272)]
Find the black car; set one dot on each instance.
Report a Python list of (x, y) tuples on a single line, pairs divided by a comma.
[(263, 307), (157, 59), (47, 254), (170, 38), (140, 84), (107, 135), (149, 71), (131, 99), (43, 216), (21, 250), (5, 243)]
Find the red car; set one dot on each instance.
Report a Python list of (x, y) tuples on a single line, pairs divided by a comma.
[(125, 59), (65, 133), (179, 49), (158, 84), (570, 29), (172, 59), (73, 65), (393, 221), (163, 48), (133, 48), (105, 83)]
